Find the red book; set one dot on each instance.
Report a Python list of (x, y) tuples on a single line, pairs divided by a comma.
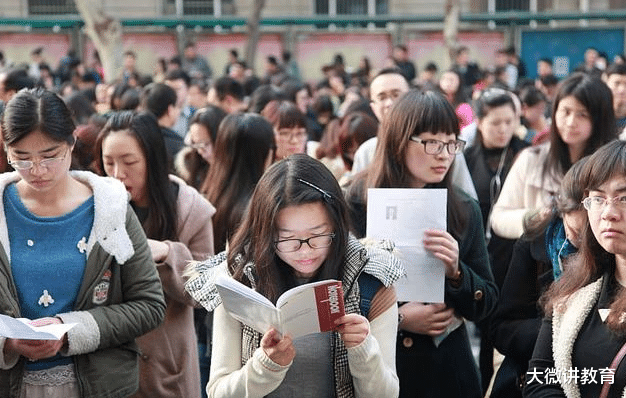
[(329, 298)]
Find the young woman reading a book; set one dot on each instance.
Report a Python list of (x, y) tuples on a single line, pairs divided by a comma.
[(296, 231)]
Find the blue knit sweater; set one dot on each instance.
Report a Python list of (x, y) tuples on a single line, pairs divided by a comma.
[(48, 258)]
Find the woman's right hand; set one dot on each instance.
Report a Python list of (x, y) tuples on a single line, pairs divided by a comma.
[(280, 350), (428, 319)]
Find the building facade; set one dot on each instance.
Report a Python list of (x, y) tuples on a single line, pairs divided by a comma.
[(314, 30)]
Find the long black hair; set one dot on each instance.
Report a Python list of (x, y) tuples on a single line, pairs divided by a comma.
[(597, 98), (244, 143), (296, 180), (161, 221)]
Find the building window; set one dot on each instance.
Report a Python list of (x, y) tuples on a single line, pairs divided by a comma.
[(215, 8), (51, 7), (321, 7), (351, 7), (512, 5)]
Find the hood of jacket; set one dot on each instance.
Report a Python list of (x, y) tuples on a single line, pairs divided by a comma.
[(111, 205)]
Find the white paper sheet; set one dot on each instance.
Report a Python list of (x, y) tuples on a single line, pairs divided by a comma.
[(402, 215), (18, 328)]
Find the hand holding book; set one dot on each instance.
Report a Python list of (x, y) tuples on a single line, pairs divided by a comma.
[(279, 349), (353, 329), (305, 309)]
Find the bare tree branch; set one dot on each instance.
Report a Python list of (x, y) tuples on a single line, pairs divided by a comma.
[(254, 32), (106, 34), (451, 26)]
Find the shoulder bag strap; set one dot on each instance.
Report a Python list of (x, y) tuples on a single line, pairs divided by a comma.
[(616, 361)]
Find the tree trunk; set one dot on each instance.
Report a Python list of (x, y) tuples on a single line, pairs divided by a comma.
[(106, 34), (253, 33), (451, 27)]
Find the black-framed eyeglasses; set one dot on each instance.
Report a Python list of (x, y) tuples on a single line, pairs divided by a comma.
[(48, 163), (314, 242), (434, 147)]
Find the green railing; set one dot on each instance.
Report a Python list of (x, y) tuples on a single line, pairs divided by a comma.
[(509, 17)]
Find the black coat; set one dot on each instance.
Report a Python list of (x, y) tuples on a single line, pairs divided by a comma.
[(480, 163), (516, 321), (448, 370)]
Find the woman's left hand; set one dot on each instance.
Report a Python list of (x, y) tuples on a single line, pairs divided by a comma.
[(353, 329), (159, 250), (443, 246)]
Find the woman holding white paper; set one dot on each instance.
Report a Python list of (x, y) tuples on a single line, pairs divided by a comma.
[(416, 149), (294, 232), (71, 251)]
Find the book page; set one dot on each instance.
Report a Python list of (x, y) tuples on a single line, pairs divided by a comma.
[(402, 215), (246, 305), (18, 328), (311, 308)]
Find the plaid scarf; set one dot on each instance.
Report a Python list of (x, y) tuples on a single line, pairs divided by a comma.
[(375, 259)]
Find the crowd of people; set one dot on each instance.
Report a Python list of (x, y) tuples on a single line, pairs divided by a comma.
[(123, 202)]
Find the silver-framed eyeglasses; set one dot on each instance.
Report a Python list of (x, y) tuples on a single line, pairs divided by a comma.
[(47, 163), (314, 242), (434, 147), (598, 203)]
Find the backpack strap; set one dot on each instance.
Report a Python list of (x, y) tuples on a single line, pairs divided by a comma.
[(368, 286)]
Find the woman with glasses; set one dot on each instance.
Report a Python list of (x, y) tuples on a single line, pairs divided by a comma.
[(289, 125), (582, 121), (72, 252), (177, 221), (192, 163), (581, 344), (295, 231), (416, 149)]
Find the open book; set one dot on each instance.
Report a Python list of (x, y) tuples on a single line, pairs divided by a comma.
[(305, 309), (18, 328)]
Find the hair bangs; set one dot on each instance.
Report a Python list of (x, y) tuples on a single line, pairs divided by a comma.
[(609, 161), (288, 115), (436, 115)]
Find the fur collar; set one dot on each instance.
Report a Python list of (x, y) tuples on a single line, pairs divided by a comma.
[(109, 227), (567, 320)]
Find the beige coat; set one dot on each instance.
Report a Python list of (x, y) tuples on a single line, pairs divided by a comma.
[(169, 364), (523, 191)]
